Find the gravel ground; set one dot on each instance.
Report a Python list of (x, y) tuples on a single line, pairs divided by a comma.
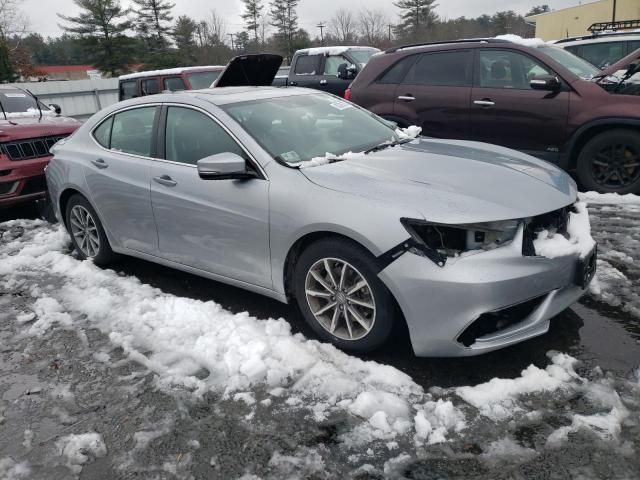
[(76, 403)]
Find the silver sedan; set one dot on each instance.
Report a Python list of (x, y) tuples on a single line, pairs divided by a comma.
[(306, 198)]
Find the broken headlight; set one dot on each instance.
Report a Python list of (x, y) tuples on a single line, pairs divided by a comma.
[(452, 240)]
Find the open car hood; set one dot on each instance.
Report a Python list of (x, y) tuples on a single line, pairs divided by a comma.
[(621, 64), (257, 70)]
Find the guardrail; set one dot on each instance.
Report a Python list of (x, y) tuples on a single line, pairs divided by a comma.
[(78, 98)]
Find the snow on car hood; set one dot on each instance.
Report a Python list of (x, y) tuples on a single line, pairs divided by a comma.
[(452, 181)]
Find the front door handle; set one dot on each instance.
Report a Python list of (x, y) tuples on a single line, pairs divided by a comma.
[(486, 102), (407, 98), (323, 82), (100, 163), (165, 180)]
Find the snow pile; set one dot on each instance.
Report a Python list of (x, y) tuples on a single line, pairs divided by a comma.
[(12, 470), (31, 112), (507, 450), (610, 198), (410, 132), (80, 448), (328, 158), (551, 245), (435, 419), (527, 42)]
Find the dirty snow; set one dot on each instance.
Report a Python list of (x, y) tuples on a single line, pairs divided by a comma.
[(411, 131), (80, 449), (580, 242), (609, 198)]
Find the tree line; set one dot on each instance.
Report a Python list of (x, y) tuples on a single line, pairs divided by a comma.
[(113, 38)]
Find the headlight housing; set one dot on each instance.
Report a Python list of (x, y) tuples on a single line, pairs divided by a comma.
[(439, 241)]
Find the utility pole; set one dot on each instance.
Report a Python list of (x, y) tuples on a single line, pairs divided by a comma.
[(321, 26), (389, 32), (614, 10), (231, 35)]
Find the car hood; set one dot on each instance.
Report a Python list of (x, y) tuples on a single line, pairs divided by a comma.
[(18, 128), (452, 182), (257, 70)]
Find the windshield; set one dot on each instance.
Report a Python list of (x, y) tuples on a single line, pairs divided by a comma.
[(574, 64), (201, 80), (362, 55), (298, 128), (16, 101)]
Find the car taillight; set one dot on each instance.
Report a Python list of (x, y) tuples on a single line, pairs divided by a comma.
[(347, 94)]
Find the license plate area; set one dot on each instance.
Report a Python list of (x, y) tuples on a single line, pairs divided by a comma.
[(586, 269)]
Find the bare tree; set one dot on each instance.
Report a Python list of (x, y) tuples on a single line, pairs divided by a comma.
[(13, 22), (342, 25), (216, 29), (372, 25)]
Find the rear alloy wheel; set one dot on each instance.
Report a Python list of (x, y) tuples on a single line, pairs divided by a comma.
[(87, 233), (341, 297), (610, 162)]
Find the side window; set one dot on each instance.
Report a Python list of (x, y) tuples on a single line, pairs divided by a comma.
[(507, 69), (452, 69), (632, 46), (603, 54), (332, 62), (398, 71), (307, 65), (191, 136), (132, 131), (175, 84), (102, 134), (128, 89), (150, 86)]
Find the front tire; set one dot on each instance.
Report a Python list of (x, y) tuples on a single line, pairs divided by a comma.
[(87, 234), (610, 162), (342, 299)]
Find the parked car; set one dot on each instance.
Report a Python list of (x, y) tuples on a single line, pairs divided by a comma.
[(330, 69), (140, 84), (541, 100), (602, 49), (234, 184), (28, 129)]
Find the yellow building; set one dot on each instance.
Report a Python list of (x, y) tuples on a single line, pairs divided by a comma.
[(574, 21)]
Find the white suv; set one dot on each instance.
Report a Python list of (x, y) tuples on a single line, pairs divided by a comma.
[(602, 49)]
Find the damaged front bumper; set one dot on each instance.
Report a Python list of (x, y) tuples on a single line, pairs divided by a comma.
[(450, 311)]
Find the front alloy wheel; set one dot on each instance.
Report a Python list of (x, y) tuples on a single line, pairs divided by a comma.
[(84, 231)]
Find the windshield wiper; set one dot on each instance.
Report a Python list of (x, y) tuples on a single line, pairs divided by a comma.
[(384, 145), (36, 100), (5, 114)]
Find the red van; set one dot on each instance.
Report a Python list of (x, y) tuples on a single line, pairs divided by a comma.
[(140, 84)]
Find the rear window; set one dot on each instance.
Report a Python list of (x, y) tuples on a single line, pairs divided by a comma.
[(150, 86), (307, 65), (174, 84), (102, 134), (398, 71), (603, 54), (128, 90), (200, 80), (452, 69)]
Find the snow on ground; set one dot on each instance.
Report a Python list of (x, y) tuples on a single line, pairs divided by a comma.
[(80, 449)]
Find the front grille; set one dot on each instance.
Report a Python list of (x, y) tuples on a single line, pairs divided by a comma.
[(556, 221), (493, 322), (30, 148), (34, 185)]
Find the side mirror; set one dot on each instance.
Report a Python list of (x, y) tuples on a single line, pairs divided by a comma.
[(56, 108), (342, 71), (549, 83), (223, 166)]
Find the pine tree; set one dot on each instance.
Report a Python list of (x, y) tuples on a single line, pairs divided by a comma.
[(251, 15), (184, 34), (101, 24), (416, 15), (154, 26), (285, 19)]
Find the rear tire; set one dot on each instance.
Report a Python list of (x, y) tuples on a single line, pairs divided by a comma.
[(342, 299), (87, 234), (610, 162)]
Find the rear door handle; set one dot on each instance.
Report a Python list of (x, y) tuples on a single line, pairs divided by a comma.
[(484, 103), (323, 82), (100, 163), (293, 84), (165, 180), (407, 98)]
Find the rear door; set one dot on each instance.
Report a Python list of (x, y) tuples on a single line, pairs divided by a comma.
[(330, 82), (506, 111), (118, 176), (306, 71), (150, 86), (435, 93)]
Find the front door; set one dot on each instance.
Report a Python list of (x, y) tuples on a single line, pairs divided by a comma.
[(435, 92), (118, 176), (306, 71), (506, 111), (219, 226), (330, 82)]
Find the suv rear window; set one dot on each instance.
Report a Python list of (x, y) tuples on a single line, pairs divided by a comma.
[(128, 89), (307, 65), (452, 69)]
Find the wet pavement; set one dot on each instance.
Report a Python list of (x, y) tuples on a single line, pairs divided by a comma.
[(74, 380)]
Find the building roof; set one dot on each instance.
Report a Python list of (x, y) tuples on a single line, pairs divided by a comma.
[(533, 18), (64, 68)]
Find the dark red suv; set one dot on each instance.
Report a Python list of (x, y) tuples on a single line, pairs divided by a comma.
[(27, 131), (539, 99)]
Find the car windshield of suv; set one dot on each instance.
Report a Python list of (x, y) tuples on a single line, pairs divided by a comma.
[(362, 55), (574, 64), (200, 80), (19, 102), (296, 129)]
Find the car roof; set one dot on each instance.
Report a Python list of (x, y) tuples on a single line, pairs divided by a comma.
[(170, 71), (335, 50), (599, 38)]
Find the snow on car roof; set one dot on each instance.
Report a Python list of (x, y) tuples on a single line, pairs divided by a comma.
[(527, 42), (169, 71), (332, 50)]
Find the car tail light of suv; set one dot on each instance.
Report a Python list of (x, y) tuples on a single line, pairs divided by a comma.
[(347, 94)]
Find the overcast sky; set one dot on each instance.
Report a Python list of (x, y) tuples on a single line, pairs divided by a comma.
[(43, 19)]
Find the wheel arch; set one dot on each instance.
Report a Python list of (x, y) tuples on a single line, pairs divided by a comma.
[(596, 127), (63, 200)]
